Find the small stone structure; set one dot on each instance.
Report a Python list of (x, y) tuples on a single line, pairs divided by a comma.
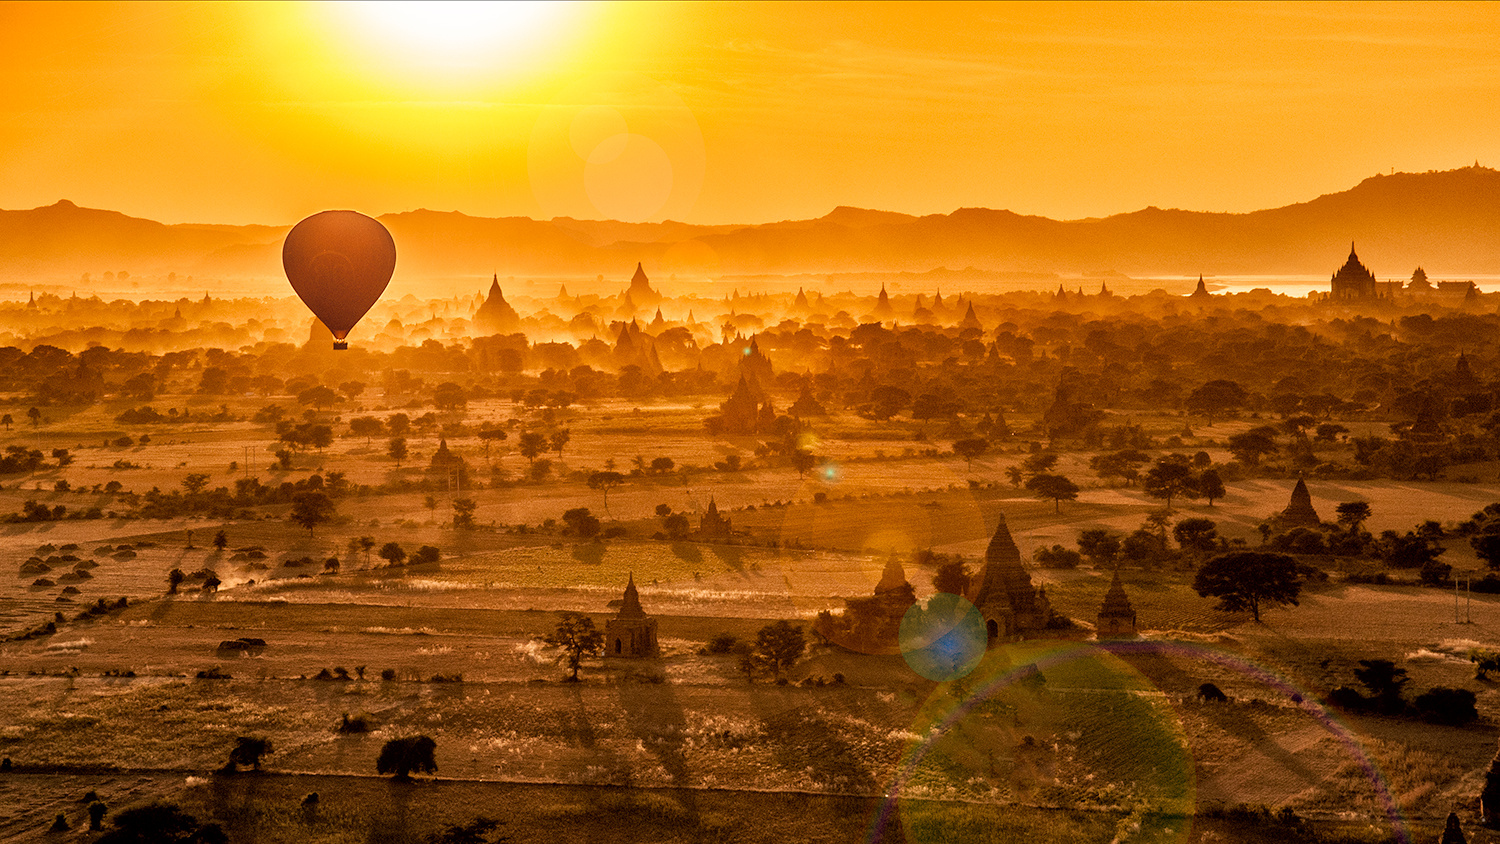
[(1010, 605), (872, 624), (1300, 512), (631, 633), (1116, 615), (712, 525)]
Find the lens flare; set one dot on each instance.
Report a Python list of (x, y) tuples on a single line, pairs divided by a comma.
[(944, 640)]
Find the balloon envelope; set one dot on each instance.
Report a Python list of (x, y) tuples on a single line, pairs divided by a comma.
[(339, 262)]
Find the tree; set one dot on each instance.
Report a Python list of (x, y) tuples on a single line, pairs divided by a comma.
[(399, 424), (559, 438), (531, 445), (952, 577), (463, 513), (803, 461), (583, 523), (970, 448), (449, 396), (1249, 580), (174, 580), (7, 421), (1054, 488), (1385, 682), (35, 416), (1250, 446), (1197, 534), (1016, 475), (662, 465), (221, 541), (248, 751), (1487, 547), (393, 553), (604, 482), (1038, 463), (677, 526), (778, 646), (1216, 398), (403, 755), (194, 483), (397, 450), (319, 397), (1352, 514), (1211, 486), (576, 635), (310, 509), (368, 427), (1169, 477), (490, 435), (1101, 546)]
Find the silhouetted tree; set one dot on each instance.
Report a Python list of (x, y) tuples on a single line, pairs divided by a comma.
[(531, 445), (1171, 476), (310, 509), (1210, 485), (576, 635), (970, 448), (952, 577), (583, 523), (1249, 580), (604, 482), (401, 756), (174, 580), (396, 448), (463, 513), (778, 646), (248, 751), (1216, 398), (1054, 488), (393, 553)]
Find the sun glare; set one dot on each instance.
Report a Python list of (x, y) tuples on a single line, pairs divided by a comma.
[(438, 34)]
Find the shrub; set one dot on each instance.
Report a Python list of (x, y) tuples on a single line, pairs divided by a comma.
[(1347, 699), (1445, 705), (723, 643), (363, 722)]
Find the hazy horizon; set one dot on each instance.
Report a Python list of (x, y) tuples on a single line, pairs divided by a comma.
[(729, 114)]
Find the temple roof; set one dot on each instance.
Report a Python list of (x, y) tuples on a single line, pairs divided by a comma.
[(631, 606), (1116, 602), (1353, 269), (1300, 509), (1004, 579), (893, 578)]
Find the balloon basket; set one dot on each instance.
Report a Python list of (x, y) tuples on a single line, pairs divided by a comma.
[(340, 345)]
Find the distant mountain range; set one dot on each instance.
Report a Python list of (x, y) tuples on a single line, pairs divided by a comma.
[(1447, 222)]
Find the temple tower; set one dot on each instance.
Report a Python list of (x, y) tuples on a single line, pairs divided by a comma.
[(631, 633)]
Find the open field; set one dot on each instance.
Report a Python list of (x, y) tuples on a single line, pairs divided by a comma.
[(1110, 740)]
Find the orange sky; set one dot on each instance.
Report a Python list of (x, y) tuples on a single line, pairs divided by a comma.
[(732, 113)]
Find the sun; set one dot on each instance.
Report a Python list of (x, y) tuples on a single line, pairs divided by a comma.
[(463, 36)]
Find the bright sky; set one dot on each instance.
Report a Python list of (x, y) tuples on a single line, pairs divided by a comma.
[(714, 113)]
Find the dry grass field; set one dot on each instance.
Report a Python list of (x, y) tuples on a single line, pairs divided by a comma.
[(1110, 746)]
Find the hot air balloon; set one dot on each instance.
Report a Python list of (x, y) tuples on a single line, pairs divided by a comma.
[(339, 262)]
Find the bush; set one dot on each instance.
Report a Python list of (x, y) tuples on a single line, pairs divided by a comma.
[(723, 643), (1347, 699), (1057, 557), (363, 722), (1443, 705)]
